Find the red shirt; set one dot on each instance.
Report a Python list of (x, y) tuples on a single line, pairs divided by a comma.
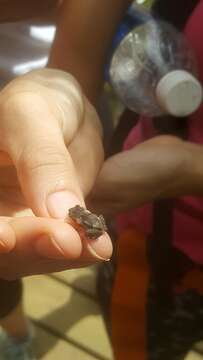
[(188, 213)]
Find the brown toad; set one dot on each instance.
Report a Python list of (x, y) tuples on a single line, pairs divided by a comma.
[(93, 225)]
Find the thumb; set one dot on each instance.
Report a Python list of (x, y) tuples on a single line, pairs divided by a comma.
[(44, 167)]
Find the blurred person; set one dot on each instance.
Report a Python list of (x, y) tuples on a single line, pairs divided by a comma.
[(154, 188)]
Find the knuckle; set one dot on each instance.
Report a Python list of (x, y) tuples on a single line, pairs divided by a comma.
[(15, 100), (32, 160)]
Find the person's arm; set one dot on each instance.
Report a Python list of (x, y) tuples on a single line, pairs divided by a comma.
[(159, 168), (84, 34)]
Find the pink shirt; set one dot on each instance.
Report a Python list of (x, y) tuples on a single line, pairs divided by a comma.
[(188, 213)]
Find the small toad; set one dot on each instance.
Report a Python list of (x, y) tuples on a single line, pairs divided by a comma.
[(93, 225)]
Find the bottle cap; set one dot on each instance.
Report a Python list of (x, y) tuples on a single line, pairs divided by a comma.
[(179, 93)]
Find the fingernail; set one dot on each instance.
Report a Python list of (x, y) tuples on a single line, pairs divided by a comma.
[(60, 202), (48, 247), (101, 248)]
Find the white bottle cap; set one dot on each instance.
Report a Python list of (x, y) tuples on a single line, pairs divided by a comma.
[(179, 93)]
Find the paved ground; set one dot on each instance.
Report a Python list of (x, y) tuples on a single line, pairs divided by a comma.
[(67, 316)]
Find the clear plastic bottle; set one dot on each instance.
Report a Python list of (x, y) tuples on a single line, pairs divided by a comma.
[(153, 69)]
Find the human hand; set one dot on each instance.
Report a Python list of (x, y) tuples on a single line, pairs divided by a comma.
[(162, 167), (52, 135), (50, 154)]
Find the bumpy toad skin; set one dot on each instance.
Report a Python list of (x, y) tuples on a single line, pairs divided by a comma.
[(93, 225)]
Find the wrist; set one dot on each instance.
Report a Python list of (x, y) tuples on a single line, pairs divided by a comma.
[(187, 179), (194, 172)]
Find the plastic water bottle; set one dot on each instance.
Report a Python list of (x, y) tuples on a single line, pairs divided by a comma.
[(153, 69)]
